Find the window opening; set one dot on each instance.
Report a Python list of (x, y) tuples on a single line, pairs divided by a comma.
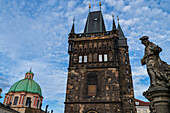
[(69, 47), (126, 62), (80, 59), (128, 89), (130, 101), (100, 58), (85, 58), (15, 101), (95, 19), (105, 57), (127, 71), (28, 101)]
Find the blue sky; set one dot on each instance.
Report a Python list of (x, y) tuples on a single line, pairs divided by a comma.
[(34, 33)]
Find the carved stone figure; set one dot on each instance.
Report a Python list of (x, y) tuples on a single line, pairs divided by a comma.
[(158, 70)]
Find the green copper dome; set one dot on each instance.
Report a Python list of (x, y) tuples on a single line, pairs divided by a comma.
[(27, 85)]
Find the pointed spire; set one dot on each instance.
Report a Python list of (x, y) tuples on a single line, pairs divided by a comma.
[(121, 34), (114, 25), (72, 29)]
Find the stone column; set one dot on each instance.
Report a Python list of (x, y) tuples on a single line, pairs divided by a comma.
[(20, 98), (159, 98), (9, 100)]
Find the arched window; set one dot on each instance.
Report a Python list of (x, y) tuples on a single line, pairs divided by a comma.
[(28, 101), (15, 100)]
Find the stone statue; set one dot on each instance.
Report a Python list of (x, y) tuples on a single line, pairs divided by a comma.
[(159, 72)]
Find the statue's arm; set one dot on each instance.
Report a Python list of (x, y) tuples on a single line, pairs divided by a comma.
[(155, 48)]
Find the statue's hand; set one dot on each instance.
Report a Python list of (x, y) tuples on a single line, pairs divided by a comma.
[(143, 61)]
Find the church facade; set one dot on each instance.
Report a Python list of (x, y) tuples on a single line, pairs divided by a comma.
[(99, 73), (25, 96)]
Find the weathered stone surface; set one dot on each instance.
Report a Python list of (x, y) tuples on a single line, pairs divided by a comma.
[(159, 98)]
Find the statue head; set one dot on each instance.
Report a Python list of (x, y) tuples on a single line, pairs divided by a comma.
[(144, 40)]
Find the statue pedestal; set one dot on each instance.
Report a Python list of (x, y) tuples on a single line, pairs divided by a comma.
[(159, 98)]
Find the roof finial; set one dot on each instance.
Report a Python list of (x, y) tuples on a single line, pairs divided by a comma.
[(112, 15), (114, 25), (118, 19), (89, 7), (73, 19), (100, 4), (30, 69)]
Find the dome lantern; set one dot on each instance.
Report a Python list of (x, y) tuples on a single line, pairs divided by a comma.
[(29, 74)]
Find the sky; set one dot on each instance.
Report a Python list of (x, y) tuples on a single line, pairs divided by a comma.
[(34, 34)]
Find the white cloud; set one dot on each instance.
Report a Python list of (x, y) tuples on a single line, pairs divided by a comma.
[(126, 8)]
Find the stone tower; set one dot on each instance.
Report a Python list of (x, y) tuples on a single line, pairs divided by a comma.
[(99, 73)]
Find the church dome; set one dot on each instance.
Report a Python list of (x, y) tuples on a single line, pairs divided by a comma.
[(26, 85)]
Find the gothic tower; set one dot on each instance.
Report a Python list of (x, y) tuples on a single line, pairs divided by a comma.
[(99, 73)]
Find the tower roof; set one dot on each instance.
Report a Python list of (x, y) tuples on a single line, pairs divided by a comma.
[(72, 29), (95, 23)]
